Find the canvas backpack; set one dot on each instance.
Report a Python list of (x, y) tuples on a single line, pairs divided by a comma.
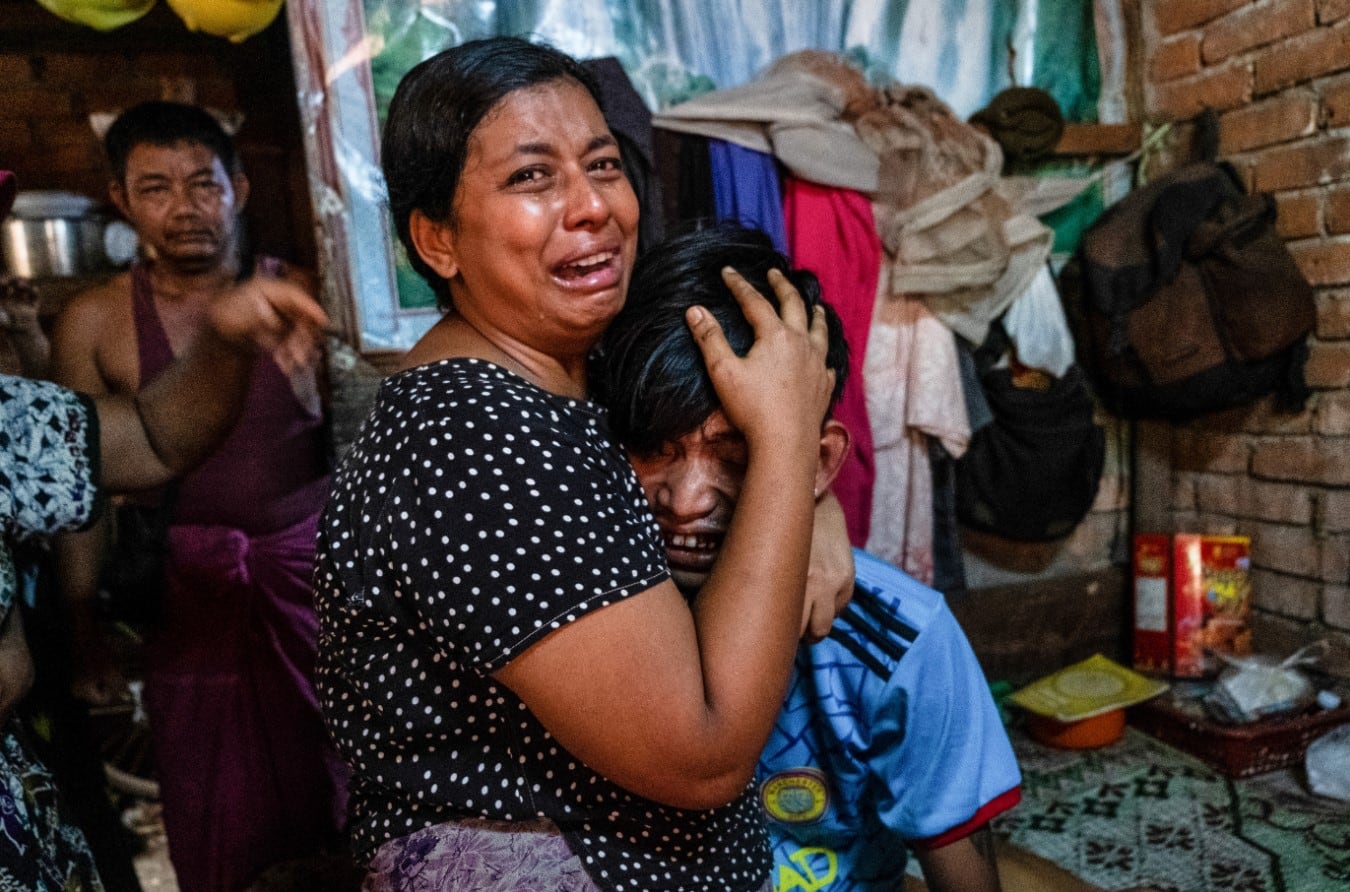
[(1184, 299), (1030, 474)]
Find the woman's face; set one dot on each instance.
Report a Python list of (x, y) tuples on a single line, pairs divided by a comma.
[(545, 221)]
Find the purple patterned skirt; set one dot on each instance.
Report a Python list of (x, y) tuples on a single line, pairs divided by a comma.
[(487, 856), (482, 855)]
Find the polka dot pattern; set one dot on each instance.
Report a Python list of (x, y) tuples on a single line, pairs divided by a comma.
[(474, 515)]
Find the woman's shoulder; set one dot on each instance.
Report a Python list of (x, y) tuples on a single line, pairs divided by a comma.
[(451, 391)]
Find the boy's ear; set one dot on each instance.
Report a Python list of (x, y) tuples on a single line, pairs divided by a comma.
[(435, 244), (834, 440)]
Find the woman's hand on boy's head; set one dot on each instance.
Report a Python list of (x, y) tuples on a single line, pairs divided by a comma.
[(783, 370)]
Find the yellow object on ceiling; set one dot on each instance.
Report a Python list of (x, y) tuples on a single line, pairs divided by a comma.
[(102, 15), (236, 20)]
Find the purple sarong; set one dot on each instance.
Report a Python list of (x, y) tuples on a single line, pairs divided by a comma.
[(247, 774)]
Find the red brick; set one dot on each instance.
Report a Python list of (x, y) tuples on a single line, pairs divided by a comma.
[(1219, 494), (1184, 487), (1303, 164), (33, 102), (1256, 25), (16, 139), (16, 69), (1286, 117), (1171, 16), (1298, 214), (1324, 263), (1175, 58), (1220, 89), (1333, 414), (1333, 511), (1328, 365), (1241, 496), (1336, 606), (1329, 11), (1338, 210), (1333, 315), (1275, 634), (1320, 52), (1200, 450), (1335, 102), (1260, 417), (1335, 565), (1286, 595), (1277, 502), (66, 133), (1316, 460), (1288, 549), (66, 70)]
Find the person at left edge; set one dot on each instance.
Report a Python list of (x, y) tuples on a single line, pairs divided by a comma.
[(60, 452), (248, 777)]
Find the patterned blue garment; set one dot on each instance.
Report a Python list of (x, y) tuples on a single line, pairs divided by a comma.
[(889, 736), (48, 457)]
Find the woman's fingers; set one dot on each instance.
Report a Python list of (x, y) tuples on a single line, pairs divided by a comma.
[(791, 307), (708, 334), (755, 306)]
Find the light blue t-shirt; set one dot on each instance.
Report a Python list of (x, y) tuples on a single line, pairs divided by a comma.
[(889, 735)]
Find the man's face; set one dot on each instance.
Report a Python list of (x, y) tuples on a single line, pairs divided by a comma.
[(692, 485), (182, 202)]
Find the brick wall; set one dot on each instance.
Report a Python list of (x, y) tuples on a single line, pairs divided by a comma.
[(1278, 72), (55, 74)]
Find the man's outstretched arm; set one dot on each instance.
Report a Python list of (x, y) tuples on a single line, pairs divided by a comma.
[(175, 423)]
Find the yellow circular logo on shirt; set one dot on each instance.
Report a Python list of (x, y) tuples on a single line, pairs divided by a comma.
[(796, 796)]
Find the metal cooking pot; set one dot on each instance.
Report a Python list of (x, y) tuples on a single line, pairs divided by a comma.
[(53, 234)]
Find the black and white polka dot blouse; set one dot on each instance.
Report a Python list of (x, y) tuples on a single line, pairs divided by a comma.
[(475, 514)]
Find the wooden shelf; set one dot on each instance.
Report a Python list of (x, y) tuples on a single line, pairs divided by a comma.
[(1099, 139)]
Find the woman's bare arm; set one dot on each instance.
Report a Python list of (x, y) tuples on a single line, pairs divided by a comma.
[(676, 703)]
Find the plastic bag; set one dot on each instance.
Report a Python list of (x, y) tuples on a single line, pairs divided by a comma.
[(1328, 764), (1258, 686)]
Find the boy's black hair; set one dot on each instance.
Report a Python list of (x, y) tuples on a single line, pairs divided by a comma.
[(649, 371), (160, 123), (432, 116)]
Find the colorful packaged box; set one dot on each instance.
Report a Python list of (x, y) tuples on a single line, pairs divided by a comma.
[(1152, 603), (1192, 599), (1211, 601)]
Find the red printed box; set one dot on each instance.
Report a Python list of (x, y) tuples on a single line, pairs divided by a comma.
[(1192, 599), (1211, 601), (1152, 603)]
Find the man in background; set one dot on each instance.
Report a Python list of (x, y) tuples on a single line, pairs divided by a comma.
[(247, 775), (889, 737), (60, 452)]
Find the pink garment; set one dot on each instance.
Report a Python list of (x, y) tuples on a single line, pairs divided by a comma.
[(913, 388), (248, 776), (830, 232)]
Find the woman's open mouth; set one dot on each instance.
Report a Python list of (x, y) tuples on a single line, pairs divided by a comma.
[(598, 270)]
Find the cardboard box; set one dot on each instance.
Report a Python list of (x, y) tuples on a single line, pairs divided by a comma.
[(1152, 603), (1211, 601), (1192, 599)]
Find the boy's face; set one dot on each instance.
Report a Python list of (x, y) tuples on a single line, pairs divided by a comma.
[(693, 485)]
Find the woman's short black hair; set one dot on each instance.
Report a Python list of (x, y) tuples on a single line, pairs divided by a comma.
[(160, 123), (433, 114), (649, 371)]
